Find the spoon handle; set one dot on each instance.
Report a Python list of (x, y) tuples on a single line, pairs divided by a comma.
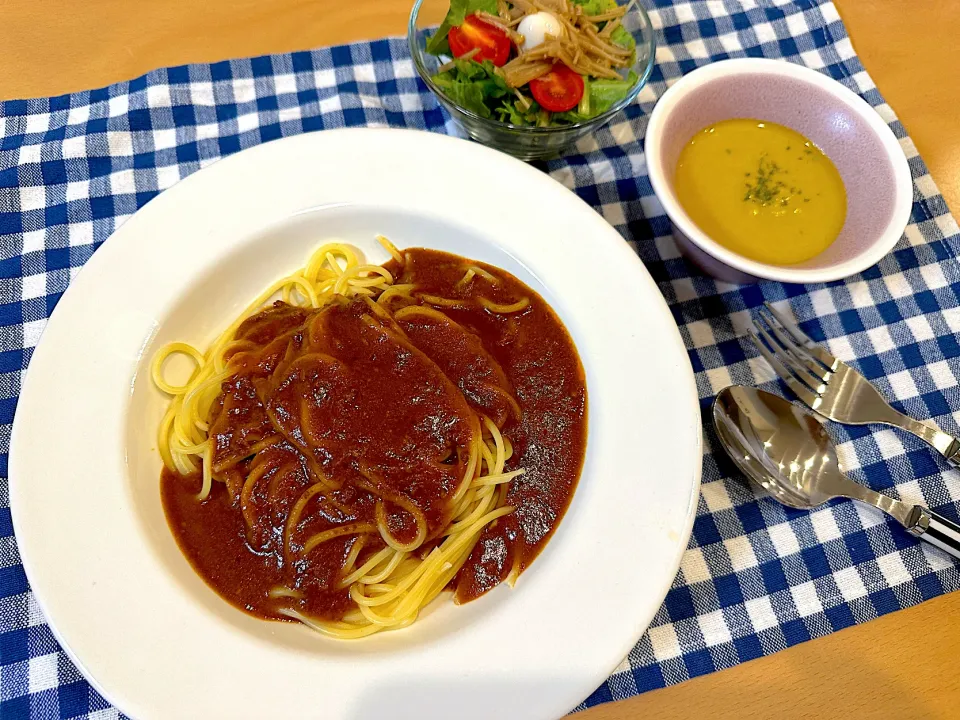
[(935, 529), (920, 521)]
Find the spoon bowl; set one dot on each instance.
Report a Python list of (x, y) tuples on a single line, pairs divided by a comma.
[(778, 446)]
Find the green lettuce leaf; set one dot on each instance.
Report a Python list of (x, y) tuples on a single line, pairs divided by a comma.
[(516, 113), (596, 7), (459, 9), (621, 37), (603, 95), (474, 86), (470, 96)]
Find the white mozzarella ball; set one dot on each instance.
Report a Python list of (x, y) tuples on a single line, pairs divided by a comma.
[(536, 27)]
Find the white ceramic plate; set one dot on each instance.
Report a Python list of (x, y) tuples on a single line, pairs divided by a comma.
[(123, 601)]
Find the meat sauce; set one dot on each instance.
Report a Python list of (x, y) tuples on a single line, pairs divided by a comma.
[(387, 404)]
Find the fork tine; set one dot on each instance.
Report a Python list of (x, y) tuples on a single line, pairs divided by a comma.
[(801, 338), (806, 395), (808, 367), (786, 361)]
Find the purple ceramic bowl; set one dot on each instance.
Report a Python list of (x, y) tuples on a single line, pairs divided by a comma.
[(865, 151)]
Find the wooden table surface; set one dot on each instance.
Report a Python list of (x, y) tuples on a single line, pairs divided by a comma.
[(903, 665)]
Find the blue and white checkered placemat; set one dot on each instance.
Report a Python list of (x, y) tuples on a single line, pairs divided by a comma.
[(757, 577)]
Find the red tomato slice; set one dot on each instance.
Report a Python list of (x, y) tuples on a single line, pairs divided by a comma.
[(559, 90), (491, 42)]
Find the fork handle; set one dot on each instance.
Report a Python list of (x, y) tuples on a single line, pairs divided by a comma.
[(945, 444), (935, 529)]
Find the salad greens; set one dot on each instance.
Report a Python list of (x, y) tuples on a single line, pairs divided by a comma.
[(476, 87), (621, 37), (594, 7), (480, 87)]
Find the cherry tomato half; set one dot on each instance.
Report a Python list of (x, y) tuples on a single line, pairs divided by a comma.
[(559, 90), (491, 42)]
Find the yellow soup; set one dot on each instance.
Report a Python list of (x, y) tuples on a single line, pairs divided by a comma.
[(761, 190)]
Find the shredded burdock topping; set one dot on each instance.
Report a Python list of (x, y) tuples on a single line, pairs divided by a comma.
[(583, 46), (505, 26)]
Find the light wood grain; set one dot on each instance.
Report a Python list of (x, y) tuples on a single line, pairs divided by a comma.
[(902, 665), (910, 50), (59, 46)]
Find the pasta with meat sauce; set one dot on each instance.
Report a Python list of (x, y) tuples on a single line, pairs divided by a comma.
[(364, 437)]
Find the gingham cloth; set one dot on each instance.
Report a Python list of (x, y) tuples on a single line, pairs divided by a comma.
[(757, 577)]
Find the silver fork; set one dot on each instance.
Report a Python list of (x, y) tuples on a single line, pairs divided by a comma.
[(832, 388)]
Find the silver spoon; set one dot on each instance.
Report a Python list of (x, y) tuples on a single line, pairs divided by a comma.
[(783, 448)]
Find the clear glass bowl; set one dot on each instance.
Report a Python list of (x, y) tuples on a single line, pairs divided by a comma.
[(526, 143)]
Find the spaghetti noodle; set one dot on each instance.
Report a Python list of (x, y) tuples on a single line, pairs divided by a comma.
[(344, 443)]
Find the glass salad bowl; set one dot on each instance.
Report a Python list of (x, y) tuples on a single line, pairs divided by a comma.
[(526, 141)]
